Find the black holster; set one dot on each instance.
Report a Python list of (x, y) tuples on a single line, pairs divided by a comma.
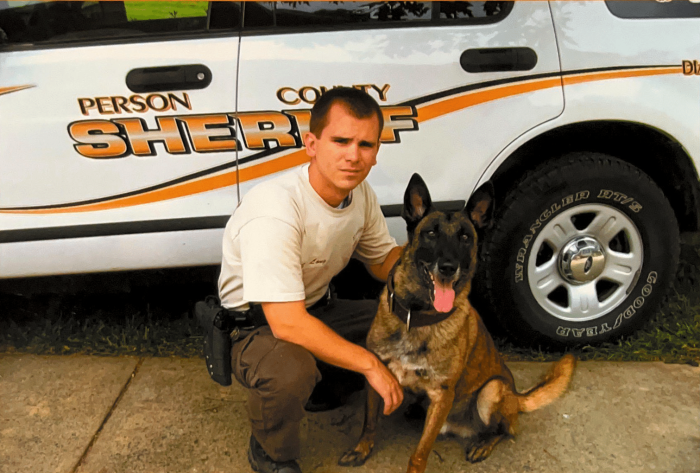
[(222, 327)]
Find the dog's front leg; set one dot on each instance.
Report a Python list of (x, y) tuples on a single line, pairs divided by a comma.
[(440, 405), (358, 455)]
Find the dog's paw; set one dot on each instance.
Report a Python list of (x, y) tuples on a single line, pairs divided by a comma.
[(481, 448), (478, 453), (356, 457)]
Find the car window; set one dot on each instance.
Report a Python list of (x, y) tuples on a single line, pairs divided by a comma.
[(656, 9), (46, 23), (369, 14), (319, 13), (472, 10)]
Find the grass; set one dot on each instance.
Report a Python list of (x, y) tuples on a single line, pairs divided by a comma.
[(144, 314), (150, 314)]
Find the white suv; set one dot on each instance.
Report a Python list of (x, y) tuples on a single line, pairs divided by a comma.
[(130, 130)]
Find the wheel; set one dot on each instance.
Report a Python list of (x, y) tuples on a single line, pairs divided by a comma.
[(581, 251)]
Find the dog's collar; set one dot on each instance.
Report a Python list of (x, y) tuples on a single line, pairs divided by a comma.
[(412, 318)]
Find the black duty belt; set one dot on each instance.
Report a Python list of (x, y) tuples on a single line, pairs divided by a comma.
[(324, 300), (254, 317)]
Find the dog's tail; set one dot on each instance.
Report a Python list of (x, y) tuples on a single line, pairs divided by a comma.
[(551, 387)]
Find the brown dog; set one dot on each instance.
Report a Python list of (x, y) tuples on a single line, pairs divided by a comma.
[(435, 343)]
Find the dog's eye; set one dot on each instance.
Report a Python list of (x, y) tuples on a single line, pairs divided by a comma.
[(465, 237), (432, 233)]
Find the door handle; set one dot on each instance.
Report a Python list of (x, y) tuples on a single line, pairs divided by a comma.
[(161, 79), (498, 59)]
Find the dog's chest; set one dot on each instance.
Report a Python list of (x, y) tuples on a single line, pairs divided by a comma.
[(409, 359)]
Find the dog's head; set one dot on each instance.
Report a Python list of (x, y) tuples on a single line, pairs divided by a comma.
[(442, 246)]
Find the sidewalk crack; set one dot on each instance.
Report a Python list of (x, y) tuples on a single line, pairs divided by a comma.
[(109, 414)]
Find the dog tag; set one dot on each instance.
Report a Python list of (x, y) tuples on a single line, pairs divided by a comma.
[(408, 321)]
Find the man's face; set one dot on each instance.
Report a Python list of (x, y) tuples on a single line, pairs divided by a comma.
[(343, 155)]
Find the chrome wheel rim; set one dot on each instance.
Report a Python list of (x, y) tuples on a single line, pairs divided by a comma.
[(584, 262)]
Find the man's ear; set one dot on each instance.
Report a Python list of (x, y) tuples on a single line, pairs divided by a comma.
[(310, 144), (480, 206), (416, 203)]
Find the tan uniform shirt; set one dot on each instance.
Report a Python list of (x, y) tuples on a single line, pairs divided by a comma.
[(284, 242)]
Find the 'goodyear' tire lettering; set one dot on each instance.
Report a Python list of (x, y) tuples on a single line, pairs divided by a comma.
[(628, 313)]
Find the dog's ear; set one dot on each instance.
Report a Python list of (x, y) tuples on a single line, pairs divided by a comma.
[(480, 206), (416, 203)]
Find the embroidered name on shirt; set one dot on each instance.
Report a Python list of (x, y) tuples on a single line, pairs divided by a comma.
[(314, 262)]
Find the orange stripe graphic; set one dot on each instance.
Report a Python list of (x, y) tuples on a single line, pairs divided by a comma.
[(438, 109), (185, 189), (426, 112), (17, 88), (434, 110)]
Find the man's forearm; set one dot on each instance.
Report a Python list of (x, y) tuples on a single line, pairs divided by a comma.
[(381, 271), (309, 332)]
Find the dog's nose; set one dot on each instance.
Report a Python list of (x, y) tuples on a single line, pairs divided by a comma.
[(447, 268)]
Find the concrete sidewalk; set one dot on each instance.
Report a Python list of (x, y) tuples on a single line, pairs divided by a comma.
[(158, 415)]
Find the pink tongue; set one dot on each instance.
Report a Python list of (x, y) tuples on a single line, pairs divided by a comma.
[(444, 297)]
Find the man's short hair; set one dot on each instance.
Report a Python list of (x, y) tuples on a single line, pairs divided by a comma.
[(359, 103)]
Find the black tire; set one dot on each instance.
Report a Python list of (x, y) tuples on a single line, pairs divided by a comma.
[(563, 201)]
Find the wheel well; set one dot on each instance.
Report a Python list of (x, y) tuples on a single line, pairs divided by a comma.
[(658, 155)]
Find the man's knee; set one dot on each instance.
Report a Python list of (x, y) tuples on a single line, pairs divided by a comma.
[(288, 368)]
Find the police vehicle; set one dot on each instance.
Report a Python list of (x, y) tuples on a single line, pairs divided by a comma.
[(130, 130)]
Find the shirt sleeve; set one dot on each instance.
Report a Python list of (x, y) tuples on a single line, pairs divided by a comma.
[(376, 242), (271, 261)]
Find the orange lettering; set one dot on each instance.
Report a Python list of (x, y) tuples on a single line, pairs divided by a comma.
[(392, 125), (142, 139), (210, 133), (97, 139), (260, 128)]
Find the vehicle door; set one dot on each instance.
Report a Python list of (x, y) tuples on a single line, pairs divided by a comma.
[(457, 82), (116, 118)]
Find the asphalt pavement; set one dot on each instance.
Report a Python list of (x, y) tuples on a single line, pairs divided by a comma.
[(164, 415)]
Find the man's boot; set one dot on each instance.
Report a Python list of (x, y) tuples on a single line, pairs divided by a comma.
[(261, 462)]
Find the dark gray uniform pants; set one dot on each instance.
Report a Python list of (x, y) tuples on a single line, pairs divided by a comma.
[(280, 376)]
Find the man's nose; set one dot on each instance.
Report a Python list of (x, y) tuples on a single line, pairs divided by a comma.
[(353, 154)]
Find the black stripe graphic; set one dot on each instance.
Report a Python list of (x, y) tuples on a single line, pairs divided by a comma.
[(513, 80), (161, 226), (111, 229), (613, 68), (473, 87)]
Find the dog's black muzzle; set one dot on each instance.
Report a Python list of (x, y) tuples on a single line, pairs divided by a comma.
[(447, 269)]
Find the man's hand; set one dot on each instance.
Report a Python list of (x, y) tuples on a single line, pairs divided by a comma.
[(381, 379)]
